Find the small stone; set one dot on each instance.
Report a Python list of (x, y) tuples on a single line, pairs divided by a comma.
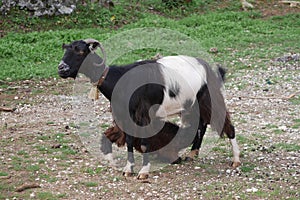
[(283, 128), (213, 50), (253, 189), (149, 194), (56, 146), (32, 195)]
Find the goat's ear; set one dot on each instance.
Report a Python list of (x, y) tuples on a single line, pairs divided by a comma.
[(93, 46), (65, 46)]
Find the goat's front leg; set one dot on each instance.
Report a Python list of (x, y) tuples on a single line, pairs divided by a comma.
[(106, 149), (144, 172), (128, 169)]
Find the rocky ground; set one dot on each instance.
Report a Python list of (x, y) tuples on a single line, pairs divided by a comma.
[(43, 157)]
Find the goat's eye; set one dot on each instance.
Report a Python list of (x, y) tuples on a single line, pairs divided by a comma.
[(78, 50), (81, 52)]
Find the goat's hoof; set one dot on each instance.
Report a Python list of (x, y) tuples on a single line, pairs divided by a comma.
[(142, 176), (188, 159), (234, 165), (127, 174), (177, 161)]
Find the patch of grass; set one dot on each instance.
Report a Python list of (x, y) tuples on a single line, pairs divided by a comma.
[(33, 168), (244, 140), (62, 196), (46, 195), (296, 124), (287, 146), (44, 149), (3, 174), (37, 91), (60, 138), (105, 126), (41, 161), (90, 184), (17, 163), (4, 187), (67, 150), (48, 178), (43, 137), (247, 167), (219, 149), (244, 121), (271, 126), (278, 131), (22, 152), (92, 171), (295, 100), (36, 54)]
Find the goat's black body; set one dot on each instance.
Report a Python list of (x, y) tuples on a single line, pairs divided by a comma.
[(115, 73)]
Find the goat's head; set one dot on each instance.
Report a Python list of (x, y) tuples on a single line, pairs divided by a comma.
[(76, 55)]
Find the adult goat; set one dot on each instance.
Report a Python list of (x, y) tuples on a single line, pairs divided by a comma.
[(173, 84)]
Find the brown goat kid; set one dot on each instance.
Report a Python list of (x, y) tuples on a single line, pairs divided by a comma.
[(158, 143)]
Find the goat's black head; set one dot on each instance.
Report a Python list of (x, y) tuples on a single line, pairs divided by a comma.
[(75, 54)]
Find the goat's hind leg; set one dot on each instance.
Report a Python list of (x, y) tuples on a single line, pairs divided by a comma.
[(230, 132), (236, 153), (144, 172)]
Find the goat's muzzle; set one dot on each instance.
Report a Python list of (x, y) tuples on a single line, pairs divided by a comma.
[(63, 69)]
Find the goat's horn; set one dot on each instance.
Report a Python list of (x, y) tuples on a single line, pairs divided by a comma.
[(90, 41)]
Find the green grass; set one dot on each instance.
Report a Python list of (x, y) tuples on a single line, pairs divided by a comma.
[(90, 184), (34, 53), (288, 147), (295, 100), (105, 126), (247, 167), (3, 174), (22, 152), (33, 168), (46, 195), (296, 124), (93, 171)]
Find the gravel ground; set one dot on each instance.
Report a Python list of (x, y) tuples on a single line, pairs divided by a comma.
[(40, 145)]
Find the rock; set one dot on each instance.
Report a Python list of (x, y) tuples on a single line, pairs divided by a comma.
[(283, 128), (40, 8), (66, 10)]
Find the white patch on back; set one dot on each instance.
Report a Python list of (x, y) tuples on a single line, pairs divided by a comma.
[(190, 76)]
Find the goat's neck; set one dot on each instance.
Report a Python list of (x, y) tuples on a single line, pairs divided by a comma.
[(112, 77)]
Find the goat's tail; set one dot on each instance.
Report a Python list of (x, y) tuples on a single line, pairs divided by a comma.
[(222, 72), (228, 128), (212, 103)]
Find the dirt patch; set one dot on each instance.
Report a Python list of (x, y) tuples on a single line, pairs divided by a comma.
[(275, 8)]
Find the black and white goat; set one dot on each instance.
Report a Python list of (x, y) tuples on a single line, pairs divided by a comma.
[(183, 82)]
